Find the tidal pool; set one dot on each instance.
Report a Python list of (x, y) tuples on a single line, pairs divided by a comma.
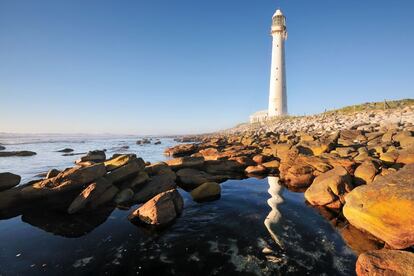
[(257, 227)]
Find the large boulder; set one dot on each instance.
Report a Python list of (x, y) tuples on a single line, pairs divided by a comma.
[(9, 180), (159, 210), (157, 184), (223, 167), (206, 191), (385, 208), (89, 194), (329, 187), (119, 161), (185, 162), (365, 173), (385, 262), (181, 150), (17, 153), (127, 171), (95, 156)]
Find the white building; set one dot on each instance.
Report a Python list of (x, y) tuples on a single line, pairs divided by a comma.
[(277, 88)]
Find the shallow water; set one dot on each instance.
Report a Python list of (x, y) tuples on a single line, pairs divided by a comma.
[(257, 227)]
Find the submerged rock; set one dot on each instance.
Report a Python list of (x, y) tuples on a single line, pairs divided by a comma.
[(159, 210), (2, 147), (206, 191), (385, 208), (65, 150), (17, 153), (9, 180), (385, 262)]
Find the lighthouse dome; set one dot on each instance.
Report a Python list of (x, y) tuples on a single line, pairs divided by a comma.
[(278, 12)]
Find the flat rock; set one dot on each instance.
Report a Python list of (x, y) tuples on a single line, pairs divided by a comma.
[(385, 208), (17, 153), (127, 171), (119, 161), (65, 150), (185, 162), (385, 262)]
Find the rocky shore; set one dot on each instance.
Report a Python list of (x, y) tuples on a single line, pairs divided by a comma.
[(357, 170)]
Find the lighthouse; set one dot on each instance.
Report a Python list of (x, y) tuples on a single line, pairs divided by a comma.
[(277, 88)]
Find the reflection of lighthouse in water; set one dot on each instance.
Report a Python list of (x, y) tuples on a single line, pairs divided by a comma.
[(272, 221)]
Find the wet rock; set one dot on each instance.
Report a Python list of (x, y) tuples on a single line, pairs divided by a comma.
[(157, 143), (385, 208), (272, 166), (365, 173), (189, 179), (8, 180), (385, 262), (65, 150), (157, 168), (52, 173), (119, 161), (144, 141), (159, 210), (137, 182), (90, 194), (128, 171), (181, 150), (206, 192), (358, 240), (124, 196), (223, 167), (2, 147), (259, 169), (329, 186), (157, 184), (185, 162), (95, 156), (17, 153), (106, 197), (405, 157)]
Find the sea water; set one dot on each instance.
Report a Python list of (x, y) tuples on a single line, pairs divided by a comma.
[(257, 227)]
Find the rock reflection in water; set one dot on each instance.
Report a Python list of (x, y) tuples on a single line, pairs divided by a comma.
[(272, 221), (62, 224)]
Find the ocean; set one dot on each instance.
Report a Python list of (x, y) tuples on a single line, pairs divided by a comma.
[(257, 227)]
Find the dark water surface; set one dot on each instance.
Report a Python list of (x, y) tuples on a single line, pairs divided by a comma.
[(257, 227), (225, 236)]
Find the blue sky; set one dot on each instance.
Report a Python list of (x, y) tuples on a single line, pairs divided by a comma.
[(188, 66)]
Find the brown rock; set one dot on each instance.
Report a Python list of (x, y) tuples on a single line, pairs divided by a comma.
[(328, 187), (385, 208), (119, 161), (359, 241), (181, 150), (259, 169), (157, 184), (385, 262), (160, 210), (189, 179), (185, 162), (206, 191), (365, 173), (128, 171)]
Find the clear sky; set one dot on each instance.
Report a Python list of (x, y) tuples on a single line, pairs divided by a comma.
[(187, 66)]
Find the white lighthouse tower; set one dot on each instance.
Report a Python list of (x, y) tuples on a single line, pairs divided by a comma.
[(277, 89)]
